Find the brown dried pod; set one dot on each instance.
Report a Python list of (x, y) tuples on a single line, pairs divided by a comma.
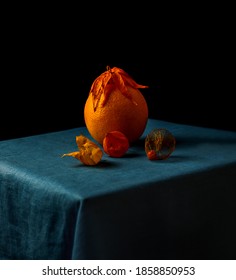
[(159, 144)]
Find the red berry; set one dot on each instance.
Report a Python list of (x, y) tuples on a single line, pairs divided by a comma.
[(115, 144)]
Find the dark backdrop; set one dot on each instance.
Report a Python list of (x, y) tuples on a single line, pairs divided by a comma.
[(48, 94), (47, 78)]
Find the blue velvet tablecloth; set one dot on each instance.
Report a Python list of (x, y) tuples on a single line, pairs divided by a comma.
[(123, 208)]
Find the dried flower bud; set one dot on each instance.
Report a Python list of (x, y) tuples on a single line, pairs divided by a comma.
[(115, 144), (159, 144), (89, 153)]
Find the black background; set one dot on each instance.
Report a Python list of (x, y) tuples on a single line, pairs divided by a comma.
[(48, 71)]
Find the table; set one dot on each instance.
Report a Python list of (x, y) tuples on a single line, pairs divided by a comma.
[(123, 208)]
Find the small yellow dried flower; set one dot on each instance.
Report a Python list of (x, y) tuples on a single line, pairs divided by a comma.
[(89, 153)]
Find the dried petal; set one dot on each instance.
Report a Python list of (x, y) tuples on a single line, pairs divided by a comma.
[(99, 87), (89, 153), (110, 80), (115, 144), (128, 80)]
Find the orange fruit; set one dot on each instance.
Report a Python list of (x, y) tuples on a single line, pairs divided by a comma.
[(115, 103)]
